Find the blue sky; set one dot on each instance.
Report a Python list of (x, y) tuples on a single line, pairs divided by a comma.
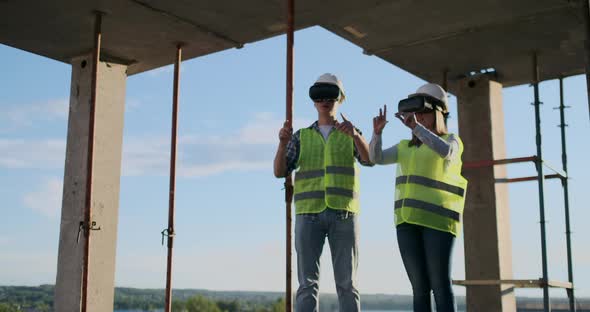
[(230, 210)]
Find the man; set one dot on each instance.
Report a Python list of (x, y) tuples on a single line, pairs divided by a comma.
[(326, 194)]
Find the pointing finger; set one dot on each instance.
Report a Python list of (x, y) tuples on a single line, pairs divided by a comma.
[(343, 118)]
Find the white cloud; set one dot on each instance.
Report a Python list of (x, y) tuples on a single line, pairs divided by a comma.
[(216, 168), (248, 148), (26, 115), (198, 156), (262, 130), (46, 199), (37, 154)]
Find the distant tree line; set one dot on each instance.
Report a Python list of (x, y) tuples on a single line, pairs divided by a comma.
[(18, 298), (40, 299), (200, 303)]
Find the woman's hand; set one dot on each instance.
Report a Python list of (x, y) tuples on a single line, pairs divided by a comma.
[(409, 119), (380, 121), (285, 134)]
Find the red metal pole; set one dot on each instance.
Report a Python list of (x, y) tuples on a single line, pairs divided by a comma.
[(288, 180), (90, 157), (487, 163), (525, 179), (173, 146)]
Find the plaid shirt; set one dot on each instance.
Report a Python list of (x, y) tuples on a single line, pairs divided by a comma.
[(294, 144)]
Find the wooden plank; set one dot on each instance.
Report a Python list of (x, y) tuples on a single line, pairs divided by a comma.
[(530, 283)]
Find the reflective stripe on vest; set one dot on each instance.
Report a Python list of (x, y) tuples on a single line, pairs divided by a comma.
[(309, 174), (439, 210), (340, 170), (320, 173), (329, 191), (431, 183), (430, 190), (327, 174)]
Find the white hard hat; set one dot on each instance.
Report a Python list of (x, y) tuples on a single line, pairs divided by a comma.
[(331, 79), (435, 91)]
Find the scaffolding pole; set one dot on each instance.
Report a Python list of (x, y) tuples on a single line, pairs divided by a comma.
[(540, 178), (169, 232), (288, 180), (564, 183)]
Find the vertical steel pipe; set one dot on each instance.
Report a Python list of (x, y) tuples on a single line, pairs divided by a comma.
[(172, 190), (540, 178), (90, 156), (564, 183), (288, 179)]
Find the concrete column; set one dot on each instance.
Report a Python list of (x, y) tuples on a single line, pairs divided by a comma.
[(488, 246), (110, 106)]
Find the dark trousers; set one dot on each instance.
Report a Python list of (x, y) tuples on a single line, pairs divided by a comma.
[(426, 254)]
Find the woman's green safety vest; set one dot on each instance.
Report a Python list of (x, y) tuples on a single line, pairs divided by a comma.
[(429, 192), (327, 175)]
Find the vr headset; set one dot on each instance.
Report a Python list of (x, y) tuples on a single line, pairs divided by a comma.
[(419, 104), (324, 91)]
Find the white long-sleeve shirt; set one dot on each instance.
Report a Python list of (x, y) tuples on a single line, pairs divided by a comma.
[(447, 148)]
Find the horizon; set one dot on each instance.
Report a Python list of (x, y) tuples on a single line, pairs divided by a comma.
[(282, 292)]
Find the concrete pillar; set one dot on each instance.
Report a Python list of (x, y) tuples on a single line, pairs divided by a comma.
[(110, 106), (488, 247)]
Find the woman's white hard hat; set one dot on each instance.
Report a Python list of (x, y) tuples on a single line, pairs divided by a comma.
[(435, 91)]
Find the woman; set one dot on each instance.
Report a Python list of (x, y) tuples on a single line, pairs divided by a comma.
[(429, 193)]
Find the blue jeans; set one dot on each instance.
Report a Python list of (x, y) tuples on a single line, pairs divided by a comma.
[(426, 254), (311, 231)]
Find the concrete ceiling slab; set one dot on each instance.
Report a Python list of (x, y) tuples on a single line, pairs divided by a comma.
[(425, 38), (465, 37)]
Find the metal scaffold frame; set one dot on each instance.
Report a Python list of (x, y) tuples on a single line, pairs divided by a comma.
[(540, 165)]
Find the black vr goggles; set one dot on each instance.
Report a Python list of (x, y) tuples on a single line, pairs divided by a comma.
[(324, 91), (420, 103)]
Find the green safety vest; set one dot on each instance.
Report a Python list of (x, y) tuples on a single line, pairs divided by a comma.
[(327, 175), (427, 193)]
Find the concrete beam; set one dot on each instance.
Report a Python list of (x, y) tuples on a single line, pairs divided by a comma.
[(110, 106), (488, 247)]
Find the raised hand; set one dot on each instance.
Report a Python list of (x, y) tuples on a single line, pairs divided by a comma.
[(346, 127), (408, 119), (285, 133), (380, 121)]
